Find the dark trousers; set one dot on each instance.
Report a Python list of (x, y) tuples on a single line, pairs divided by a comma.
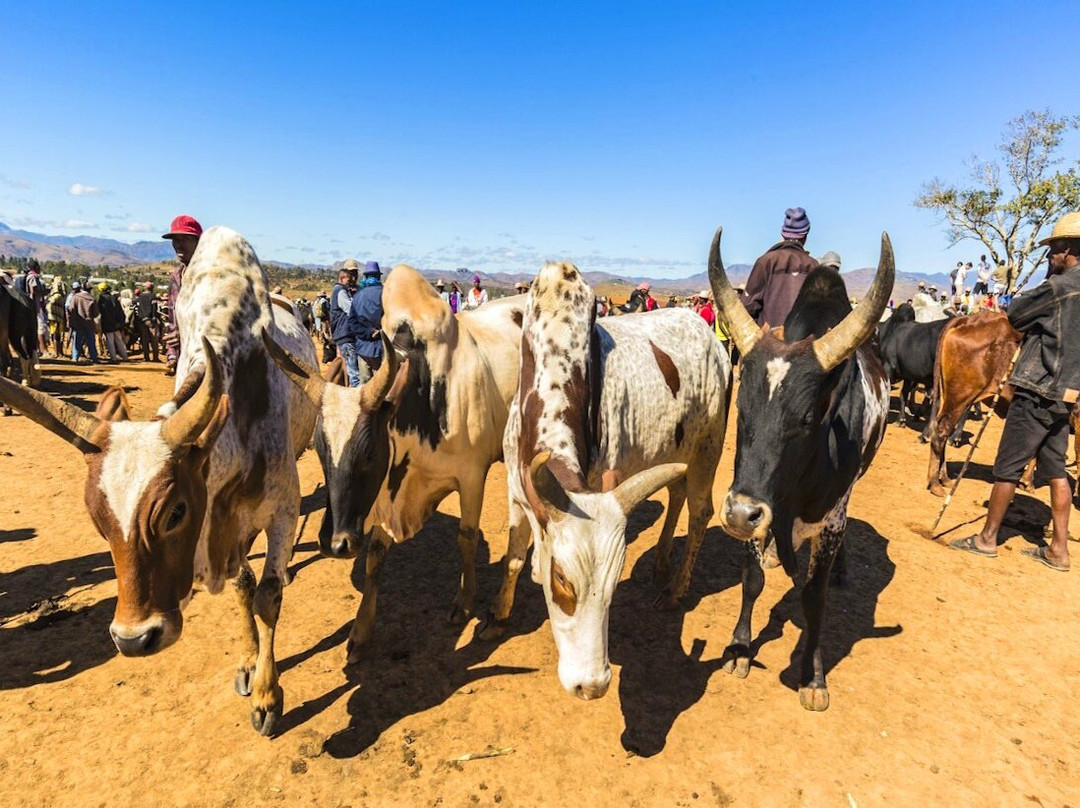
[(146, 338)]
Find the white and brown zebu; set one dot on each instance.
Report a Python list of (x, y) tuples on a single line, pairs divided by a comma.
[(605, 416), (392, 450), (181, 498)]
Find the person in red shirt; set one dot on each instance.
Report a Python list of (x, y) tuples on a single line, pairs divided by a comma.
[(707, 311)]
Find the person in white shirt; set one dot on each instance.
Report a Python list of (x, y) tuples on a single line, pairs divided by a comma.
[(475, 297), (440, 287), (983, 276), (961, 276)]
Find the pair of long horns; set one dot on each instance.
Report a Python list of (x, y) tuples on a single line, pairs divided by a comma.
[(629, 494), (307, 378), (88, 433), (832, 348)]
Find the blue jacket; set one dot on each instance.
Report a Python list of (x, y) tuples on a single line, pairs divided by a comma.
[(339, 317), (365, 319)]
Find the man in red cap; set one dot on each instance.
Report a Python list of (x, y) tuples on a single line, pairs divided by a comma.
[(184, 235)]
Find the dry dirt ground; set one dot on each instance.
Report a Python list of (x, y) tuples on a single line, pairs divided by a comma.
[(953, 678)]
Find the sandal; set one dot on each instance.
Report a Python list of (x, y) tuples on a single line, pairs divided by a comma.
[(968, 546), (1039, 554)]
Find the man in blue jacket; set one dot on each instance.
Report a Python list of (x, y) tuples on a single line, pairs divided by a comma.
[(365, 319), (340, 330)]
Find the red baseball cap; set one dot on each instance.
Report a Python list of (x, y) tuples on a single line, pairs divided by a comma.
[(184, 225)]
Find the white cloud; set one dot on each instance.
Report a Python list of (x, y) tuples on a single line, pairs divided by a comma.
[(139, 227), (78, 189), (75, 224)]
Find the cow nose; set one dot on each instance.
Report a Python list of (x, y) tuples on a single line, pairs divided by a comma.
[(746, 516), (145, 644), (340, 545), (594, 687)]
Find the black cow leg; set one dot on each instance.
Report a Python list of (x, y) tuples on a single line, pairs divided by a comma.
[(957, 438), (813, 693), (905, 393), (737, 655)]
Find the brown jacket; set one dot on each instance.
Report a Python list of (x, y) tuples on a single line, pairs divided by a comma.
[(775, 281), (83, 311)]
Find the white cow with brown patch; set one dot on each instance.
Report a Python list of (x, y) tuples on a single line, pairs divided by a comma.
[(181, 498), (605, 416), (418, 430)]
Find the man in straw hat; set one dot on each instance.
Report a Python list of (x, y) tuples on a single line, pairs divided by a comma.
[(778, 275), (1046, 379)]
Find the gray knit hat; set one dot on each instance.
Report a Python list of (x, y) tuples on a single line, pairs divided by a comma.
[(796, 223), (830, 259)]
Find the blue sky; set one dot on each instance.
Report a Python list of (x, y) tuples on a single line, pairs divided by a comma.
[(497, 135)]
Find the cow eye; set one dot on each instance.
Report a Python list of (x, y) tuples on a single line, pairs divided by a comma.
[(176, 515), (808, 420)]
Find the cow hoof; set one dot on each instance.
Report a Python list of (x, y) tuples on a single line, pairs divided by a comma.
[(667, 601), (354, 651), (491, 628), (937, 489), (266, 717), (8, 411), (923, 439), (458, 616), (243, 679), (737, 660), (815, 699)]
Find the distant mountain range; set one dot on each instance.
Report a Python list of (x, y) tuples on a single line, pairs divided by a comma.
[(94, 251), (81, 249)]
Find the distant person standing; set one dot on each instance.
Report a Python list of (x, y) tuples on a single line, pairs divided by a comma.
[(455, 297), (983, 275), (112, 323), (83, 311), (961, 278), (440, 287), (779, 274), (35, 290), (707, 312), (184, 233), (340, 329), (365, 321), (320, 310), (57, 315), (146, 315), (477, 296)]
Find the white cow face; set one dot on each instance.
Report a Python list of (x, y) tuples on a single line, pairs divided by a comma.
[(580, 557)]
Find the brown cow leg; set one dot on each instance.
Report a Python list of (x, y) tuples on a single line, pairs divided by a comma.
[(360, 634), (244, 583), (267, 697), (472, 501), (701, 511), (494, 626), (676, 499)]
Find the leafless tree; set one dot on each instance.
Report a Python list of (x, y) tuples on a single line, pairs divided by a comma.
[(1011, 200)]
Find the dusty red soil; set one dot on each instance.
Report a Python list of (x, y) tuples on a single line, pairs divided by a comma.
[(953, 678)]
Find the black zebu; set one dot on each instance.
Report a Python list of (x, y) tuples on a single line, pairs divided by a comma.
[(18, 330), (810, 420), (908, 350)]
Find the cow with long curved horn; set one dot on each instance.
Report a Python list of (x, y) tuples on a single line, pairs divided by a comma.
[(181, 498), (812, 406)]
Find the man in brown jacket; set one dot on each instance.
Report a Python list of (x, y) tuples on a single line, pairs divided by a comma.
[(778, 275)]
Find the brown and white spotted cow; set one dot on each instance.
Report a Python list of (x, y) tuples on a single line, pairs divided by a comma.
[(394, 449), (181, 498), (605, 415)]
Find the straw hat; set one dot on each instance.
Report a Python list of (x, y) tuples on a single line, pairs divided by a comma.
[(1068, 226)]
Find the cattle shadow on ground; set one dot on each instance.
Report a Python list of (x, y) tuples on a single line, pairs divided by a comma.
[(658, 680), (32, 587), (850, 611), (642, 518), (413, 663), (18, 534), (56, 646), (315, 501)]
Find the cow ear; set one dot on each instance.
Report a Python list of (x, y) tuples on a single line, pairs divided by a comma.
[(646, 483), (113, 405), (548, 489)]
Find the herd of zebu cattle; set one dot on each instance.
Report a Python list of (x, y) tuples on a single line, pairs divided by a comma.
[(591, 418)]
